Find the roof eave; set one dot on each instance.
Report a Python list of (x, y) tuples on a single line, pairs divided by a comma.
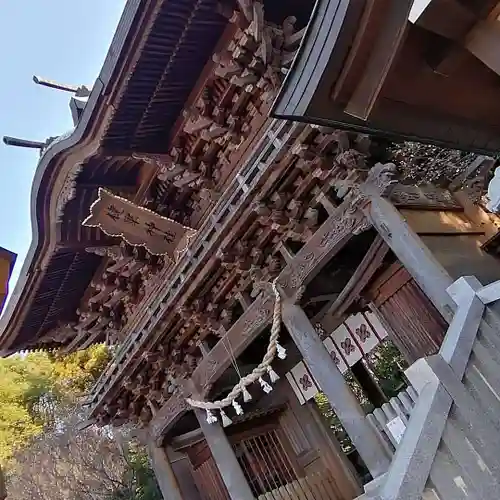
[(54, 166)]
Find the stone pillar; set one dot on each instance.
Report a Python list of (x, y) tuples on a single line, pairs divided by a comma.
[(164, 474), (227, 463), (333, 384)]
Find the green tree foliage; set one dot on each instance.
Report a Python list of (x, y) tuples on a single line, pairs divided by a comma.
[(46, 456), (75, 374), (24, 383), (33, 385), (386, 365), (139, 480)]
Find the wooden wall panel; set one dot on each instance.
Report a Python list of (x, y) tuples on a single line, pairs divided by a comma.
[(184, 474), (206, 475), (416, 326), (319, 449)]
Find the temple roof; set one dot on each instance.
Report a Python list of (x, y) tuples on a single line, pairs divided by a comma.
[(10, 258), (158, 53)]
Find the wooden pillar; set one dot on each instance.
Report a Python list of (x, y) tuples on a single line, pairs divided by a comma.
[(413, 254), (227, 463), (333, 384), (164, 473)]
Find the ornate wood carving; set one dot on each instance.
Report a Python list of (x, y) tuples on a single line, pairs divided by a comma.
[(339, 228), (240, 335), (168, 414), (423, 197), (287, 208)]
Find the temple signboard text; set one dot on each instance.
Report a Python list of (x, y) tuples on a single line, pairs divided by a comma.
[(138, 225)]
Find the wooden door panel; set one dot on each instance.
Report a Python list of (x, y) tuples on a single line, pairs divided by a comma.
[(209, 481), (417, 328)]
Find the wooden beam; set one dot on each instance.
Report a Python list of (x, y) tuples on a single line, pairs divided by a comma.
[(327, 241), (450, 19), (164, 473), (225, 459), (464, 32), (364, 272), (237, 339), (167, 416), (384, 53), (187, 440), (483, 41)]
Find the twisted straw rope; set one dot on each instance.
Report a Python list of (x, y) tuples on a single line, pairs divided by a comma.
[(258, 371)]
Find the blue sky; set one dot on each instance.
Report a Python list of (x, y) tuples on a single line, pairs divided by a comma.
[(61, 40)]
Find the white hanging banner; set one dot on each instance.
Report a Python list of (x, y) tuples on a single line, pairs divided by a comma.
[(347, 345), (304, 381), (362, 331), (335, 354), (295, 388), (377, 325)]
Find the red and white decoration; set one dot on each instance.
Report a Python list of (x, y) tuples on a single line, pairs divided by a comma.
[(350, 342)]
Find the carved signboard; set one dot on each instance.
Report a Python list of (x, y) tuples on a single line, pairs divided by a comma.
[(423, 197), (138, 226)]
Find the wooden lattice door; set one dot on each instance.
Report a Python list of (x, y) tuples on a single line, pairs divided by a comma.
[(266, 460), (269, 465), (264, 456)]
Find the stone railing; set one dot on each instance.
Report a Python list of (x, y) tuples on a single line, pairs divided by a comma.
[(390, 421), (450, 449)]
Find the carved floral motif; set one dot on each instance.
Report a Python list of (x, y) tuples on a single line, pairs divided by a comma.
[(68, 190), (363, 333), (305, 382)]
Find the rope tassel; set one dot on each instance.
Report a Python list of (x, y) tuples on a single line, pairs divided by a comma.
[(273, 376), (226, 421), (211, 418), (237, 408), (265, 386), (281, 351), (247, 397)]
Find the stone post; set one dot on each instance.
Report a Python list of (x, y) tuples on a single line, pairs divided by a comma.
[(333, 384), (225, 459)]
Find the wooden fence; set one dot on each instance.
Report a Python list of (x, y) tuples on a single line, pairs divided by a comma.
[(451, 447), (317, 486)]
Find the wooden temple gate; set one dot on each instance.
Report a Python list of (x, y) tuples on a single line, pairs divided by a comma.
[(284, 455), (408, 314), (273, 201)]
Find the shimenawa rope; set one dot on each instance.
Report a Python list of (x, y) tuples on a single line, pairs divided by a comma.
[(273, 349)]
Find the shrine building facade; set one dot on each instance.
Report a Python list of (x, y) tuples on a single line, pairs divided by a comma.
[(291, 314)]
